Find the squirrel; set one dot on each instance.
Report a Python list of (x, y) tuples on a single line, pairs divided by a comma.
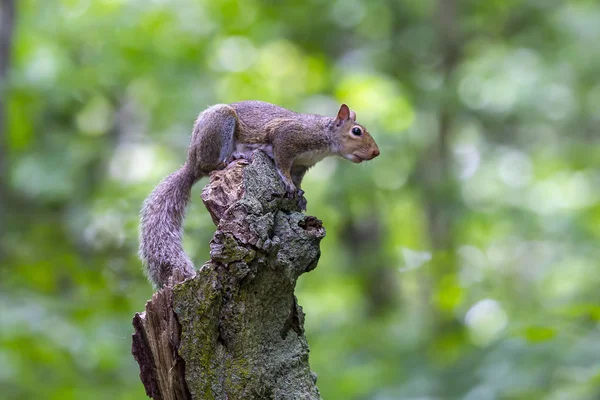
[(225, 132)]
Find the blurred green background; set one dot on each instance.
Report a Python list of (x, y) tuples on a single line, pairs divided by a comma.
[(463, 263)]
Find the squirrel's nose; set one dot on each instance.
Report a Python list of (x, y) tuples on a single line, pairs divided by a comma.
[(374, 153)]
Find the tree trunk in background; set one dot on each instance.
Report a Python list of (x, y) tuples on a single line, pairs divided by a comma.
[(362, 239), (436, 166), (235, 331), (434, 172), (7, 17)]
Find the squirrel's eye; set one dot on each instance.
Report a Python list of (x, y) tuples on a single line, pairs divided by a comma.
[(356, 131)]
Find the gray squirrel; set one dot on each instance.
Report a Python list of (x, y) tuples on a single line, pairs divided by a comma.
[(225, 132)]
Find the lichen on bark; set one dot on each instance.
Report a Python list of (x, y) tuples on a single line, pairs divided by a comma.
[(242, 330)]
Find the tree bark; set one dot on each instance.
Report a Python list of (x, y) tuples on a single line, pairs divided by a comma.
[(236, 331), (7, 18)]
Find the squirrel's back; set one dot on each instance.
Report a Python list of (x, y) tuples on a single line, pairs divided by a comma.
[(255, 115), (261, 111)]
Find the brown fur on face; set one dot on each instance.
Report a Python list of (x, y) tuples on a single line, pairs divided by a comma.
[(355, 143)]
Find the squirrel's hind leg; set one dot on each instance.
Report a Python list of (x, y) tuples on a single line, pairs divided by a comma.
[(213, 138)]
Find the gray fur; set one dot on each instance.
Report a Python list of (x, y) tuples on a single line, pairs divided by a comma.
[(161, 228)]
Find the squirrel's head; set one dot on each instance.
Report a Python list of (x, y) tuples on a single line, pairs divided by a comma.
[(355, 142)]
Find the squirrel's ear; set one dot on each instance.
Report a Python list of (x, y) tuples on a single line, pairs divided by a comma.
[(343, 114), (353, 116)]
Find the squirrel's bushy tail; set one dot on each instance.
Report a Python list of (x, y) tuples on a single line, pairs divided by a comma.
[(161, 228)]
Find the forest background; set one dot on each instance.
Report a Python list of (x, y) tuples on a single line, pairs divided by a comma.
[(463, 263)]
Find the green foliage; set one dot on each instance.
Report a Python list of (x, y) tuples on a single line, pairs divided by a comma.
[(460, 264)]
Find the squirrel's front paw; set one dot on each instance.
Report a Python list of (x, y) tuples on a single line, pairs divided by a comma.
[(290, 191), (298, 195), (301, 200), (290, 188)]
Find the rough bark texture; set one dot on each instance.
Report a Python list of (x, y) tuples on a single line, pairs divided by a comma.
[(155, 344), (235, 331)]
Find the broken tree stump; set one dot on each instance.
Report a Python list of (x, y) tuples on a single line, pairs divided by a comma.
[(236, 331)]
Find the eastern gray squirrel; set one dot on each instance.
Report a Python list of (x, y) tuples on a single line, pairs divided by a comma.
[(225, 132)]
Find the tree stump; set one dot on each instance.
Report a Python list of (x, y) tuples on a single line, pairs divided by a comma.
[(236, 331)]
